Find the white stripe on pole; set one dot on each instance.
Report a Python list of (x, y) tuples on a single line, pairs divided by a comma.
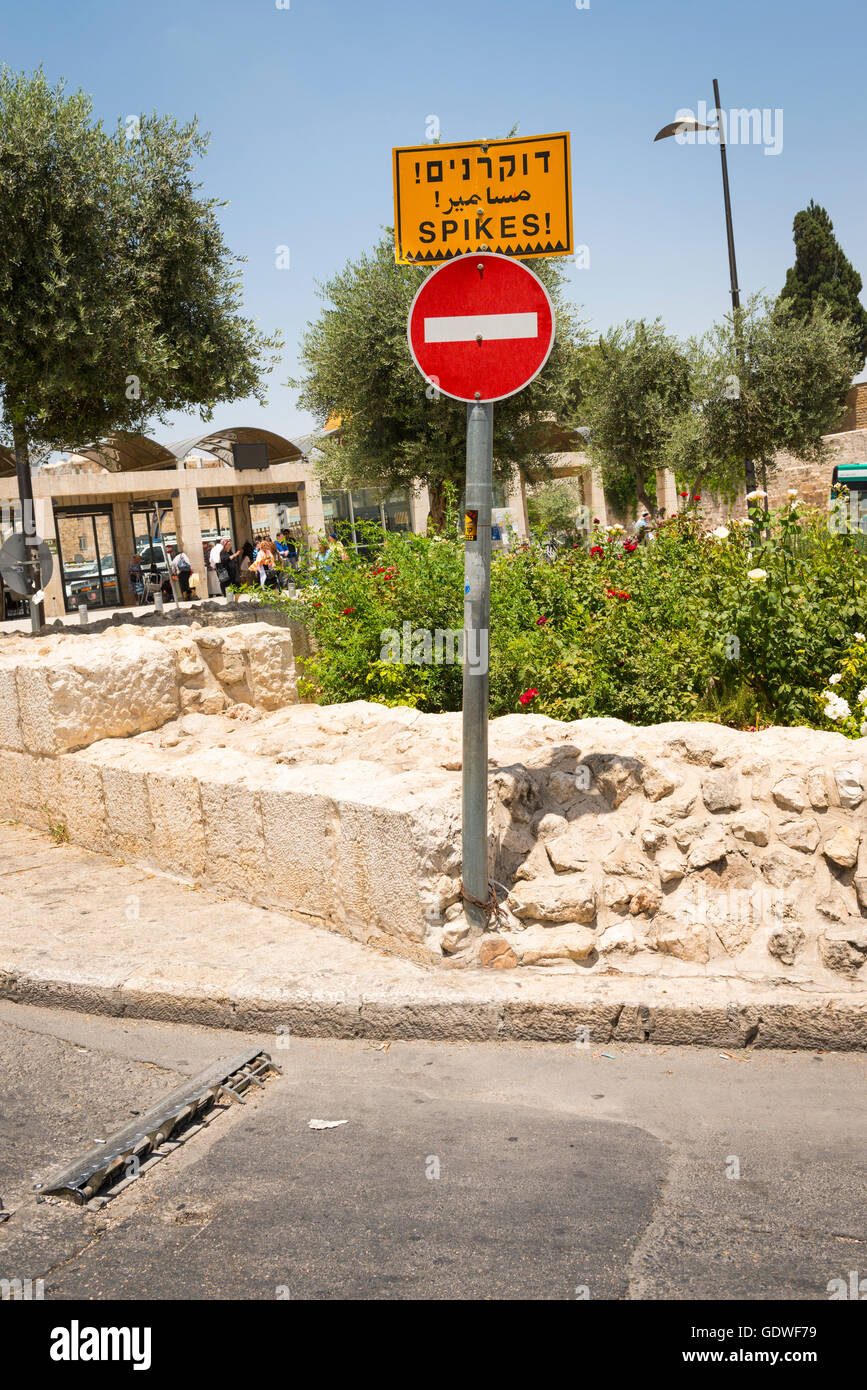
[(464, 328)]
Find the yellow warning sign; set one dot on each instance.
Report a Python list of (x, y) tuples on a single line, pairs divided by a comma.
[(511, 197)]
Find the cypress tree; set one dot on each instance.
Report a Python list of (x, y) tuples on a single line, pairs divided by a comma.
[(822, 272)]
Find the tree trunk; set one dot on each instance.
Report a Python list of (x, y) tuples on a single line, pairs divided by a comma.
[(437, 515), (28, 522), (643, 495)]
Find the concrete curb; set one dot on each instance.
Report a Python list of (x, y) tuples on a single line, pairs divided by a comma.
[(615, 1013)]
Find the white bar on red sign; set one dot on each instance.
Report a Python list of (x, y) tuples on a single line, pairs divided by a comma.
[(464, 328)]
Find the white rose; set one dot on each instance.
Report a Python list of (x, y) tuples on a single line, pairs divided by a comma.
[(835, 680), (859, 636), (757, 575), (754, 496), (721, 533), (862, 696)]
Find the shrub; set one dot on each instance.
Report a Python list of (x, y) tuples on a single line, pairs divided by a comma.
[(739, 624)]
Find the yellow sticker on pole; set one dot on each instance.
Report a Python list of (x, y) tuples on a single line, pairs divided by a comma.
[(510, 197)]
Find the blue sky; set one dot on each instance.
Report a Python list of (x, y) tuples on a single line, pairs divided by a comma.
[(304, 105)]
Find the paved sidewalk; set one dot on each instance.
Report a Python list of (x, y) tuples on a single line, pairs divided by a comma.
[(83, 931)]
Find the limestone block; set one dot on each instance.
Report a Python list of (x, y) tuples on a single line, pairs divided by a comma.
[(842, 847), (17, 800), (271, 667), (127, 810), (658, 780), (80, 802), (495, 953), (720, 792), (620, 937), (378, 864), (844, 949), (10, 717), (95, 690), (802, 834), (569, 899), (753, 826), (616, 776), (234, 842), (790, 794), (548, 946), (670, 866), (685, 940), (178, 828), (817, 789), (850, 788)]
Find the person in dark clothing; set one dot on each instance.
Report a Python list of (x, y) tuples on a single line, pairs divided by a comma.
[(136, 578)]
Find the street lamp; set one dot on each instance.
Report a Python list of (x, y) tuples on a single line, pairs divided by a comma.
[(689, 123)]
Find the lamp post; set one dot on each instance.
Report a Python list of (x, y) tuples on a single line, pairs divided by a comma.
[(687, 124)]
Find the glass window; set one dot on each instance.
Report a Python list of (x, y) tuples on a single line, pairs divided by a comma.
[(85, 544), (398, 516)]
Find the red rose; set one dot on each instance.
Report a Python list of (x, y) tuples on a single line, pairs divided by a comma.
[(696, 497), (540, 622), (528, 696), (596, 550), (348, 610)]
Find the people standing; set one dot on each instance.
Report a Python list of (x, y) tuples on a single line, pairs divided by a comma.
[(182, 568), (136, 578)]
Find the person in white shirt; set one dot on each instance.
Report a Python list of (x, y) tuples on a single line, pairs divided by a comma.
[(183, 569)]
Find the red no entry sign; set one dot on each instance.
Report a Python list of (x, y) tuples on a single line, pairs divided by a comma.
[(481, 327)]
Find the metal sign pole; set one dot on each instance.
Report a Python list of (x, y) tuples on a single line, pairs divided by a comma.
[(477, 609)]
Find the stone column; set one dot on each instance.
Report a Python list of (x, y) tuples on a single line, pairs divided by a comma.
[(666, 491), (516, 501), (419, 509), (55, 602), (123, 548), (312, 514), (189, 529), (594, 494)]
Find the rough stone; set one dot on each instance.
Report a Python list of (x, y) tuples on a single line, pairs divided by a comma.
[(495, 953), (658, 781), (842, 847), (785, 942), (687, 941), (850, 788), (790, 794), (555, 900), (803, 834), (720, 792), (551, 945), (752, 826)]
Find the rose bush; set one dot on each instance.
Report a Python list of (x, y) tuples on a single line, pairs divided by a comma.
[(742, 624)]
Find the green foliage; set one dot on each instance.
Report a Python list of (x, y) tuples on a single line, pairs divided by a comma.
[(637, 379), (553, 505), (764, 380), (739, 625), (396, 429), (823, 275), (842, 704), (111, 268)]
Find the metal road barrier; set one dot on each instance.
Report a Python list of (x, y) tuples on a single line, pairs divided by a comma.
[(138, 1140)]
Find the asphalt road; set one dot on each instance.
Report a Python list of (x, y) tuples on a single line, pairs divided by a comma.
[(473, 1171)]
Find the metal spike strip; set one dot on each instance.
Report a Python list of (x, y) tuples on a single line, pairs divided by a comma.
[(81, 1180)]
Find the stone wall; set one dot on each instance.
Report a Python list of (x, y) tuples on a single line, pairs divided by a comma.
[(676, 850)]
